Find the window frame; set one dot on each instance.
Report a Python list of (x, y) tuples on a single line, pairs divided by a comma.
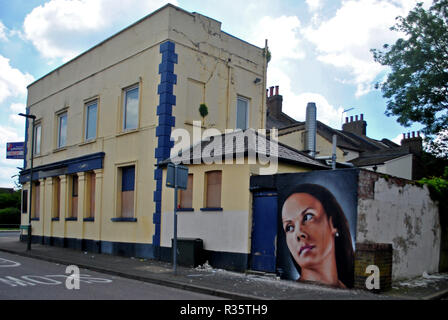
[(37, 138), (61, 115), (124, 107), (183, 192), (247, 101), (119, 194), (87, 105), (208, 207)]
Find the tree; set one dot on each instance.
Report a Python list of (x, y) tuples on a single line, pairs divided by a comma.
[(417, 85)]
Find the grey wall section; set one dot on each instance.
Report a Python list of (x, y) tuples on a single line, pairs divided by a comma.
[(396, 211)]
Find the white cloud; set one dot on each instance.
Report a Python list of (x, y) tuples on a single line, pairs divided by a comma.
[(314, 5), (8, 166), (294, 104), (65, 28), (3, 32), (345, 40), (12, 81), (283, 34), (14, 118)]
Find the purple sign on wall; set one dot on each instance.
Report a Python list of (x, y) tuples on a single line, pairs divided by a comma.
[(15, 150)]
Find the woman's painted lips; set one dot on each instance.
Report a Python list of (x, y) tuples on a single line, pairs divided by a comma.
[(305, 249)]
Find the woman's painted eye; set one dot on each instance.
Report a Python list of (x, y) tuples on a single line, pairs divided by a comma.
[(289, 228), (307, 217)]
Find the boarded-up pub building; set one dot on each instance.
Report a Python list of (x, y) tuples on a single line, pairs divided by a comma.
[(103, 140)]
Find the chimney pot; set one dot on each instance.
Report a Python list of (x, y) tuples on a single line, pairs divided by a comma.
[(276, 90), (409, 135), (271, 91), (404, 135), (413, 134), (351, 118), (346, 119), (362, 117), (356, 117), (418, 133)]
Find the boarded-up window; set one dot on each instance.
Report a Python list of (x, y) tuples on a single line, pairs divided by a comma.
[(36, 200), (57, 197), (213, 191), (127, 191), (74, 208), (91, 181), (186, 196), (24, 201)]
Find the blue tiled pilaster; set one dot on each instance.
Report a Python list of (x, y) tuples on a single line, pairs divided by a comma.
[(163, 131)]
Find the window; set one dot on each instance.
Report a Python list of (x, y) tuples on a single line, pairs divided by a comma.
[(37, 138), (90, 201), (62, 130), (36, 200), (213, 189), (242, 113), (127, 191), (24, 201), (74, 200), (91, 115), (130, 108), (186, 196), (56, 197)]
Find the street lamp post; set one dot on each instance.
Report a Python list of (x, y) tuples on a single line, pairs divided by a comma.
[(33, 117)]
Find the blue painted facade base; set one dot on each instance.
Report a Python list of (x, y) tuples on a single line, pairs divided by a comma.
[(166, 121), (217, 259), (137, 250)]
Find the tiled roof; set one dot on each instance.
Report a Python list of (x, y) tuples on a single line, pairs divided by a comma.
[(241, 144)]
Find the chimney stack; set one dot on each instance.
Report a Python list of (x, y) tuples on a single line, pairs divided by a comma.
[(358, 126), (413, 142), (274, 102)]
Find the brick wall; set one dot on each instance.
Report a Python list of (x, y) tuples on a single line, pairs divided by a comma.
[(379, 254)]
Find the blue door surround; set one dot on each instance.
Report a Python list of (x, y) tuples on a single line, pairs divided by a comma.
[(264, 231)]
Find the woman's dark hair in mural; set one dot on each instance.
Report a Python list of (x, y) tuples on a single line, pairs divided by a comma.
[(336, 218)]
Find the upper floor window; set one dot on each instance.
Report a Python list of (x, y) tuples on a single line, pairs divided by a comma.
[(130, 108), (37, 138), (242, 113), (91, 117), (62, 130)]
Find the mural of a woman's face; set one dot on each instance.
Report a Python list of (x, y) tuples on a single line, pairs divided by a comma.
[(309, 232)]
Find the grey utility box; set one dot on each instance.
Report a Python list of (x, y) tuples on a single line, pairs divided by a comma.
[(190, 251)]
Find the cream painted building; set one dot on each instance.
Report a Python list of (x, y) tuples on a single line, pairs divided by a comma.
[(103, 122)]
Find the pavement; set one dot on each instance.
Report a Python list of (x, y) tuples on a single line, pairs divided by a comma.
[(222, 283)]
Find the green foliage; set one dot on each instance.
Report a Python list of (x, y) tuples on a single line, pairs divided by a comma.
[(10, 207), (438, 186), (267, 53), (417, 85), (203, 110), (12, 200), (9, 216)]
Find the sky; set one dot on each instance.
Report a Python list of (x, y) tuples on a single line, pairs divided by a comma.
[(320, 52)]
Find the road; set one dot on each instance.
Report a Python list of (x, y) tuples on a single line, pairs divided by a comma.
[(27, 278)]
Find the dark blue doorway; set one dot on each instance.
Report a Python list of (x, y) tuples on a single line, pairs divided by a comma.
[(264, 231)]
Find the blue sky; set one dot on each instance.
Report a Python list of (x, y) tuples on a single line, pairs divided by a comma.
[(320, 51)]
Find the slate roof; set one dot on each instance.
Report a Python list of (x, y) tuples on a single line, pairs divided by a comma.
[(379, 157), (241, 144)]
